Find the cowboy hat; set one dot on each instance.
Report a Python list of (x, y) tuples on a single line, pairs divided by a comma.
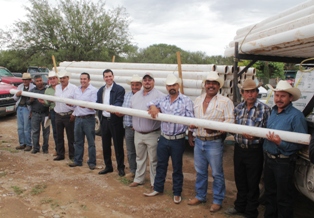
[(52, 74), (64, 73), (249, 84), (284, 86), (135, 78), (172, 79), (213, 76), (26, 76)]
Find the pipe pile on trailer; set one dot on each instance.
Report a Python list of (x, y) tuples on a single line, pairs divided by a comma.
[(192, 74), (287, 34)]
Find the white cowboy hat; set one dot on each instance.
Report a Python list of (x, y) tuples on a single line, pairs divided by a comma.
[(63, 73), (284, 86), (26, 76), (135, 78), (213, 76), (172, 79), (149, 75), (52, 74)]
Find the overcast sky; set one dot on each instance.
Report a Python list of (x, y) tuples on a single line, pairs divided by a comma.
[(193, 25)]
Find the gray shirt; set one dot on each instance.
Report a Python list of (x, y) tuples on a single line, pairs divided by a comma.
[(36, 106), (139, 101)]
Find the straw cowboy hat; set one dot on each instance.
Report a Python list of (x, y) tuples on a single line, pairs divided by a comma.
[(135, 78), (249, 84), (64, 73), (284, 86), (213, 76), (52, 74), (172, 79), (26, 76)]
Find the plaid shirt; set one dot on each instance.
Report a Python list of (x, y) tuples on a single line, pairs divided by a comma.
[(127, 119), (182, 106), (257, 116)]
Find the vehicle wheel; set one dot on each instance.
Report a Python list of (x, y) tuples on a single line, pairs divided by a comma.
[(97, 125)]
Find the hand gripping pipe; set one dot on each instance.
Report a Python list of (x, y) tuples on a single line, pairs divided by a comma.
[(294, 137)]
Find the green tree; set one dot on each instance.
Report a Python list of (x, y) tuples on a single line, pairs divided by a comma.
[(71, 30)]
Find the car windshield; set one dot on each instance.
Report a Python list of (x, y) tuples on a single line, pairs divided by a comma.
[(5, 72), (37, 69)]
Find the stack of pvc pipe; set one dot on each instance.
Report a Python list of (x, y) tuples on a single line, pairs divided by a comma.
[(192, 74), (288, 34)]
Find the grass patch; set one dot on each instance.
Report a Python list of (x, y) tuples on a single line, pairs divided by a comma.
[(83, 206), (38, 189), (125, 181), (54, 205), (17, 190), (2, 174), (46, 201), (10, 149)]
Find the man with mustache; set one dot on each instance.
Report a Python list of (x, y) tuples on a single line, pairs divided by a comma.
[(172, 140), (248, 151), (280, 156), (208, 148)]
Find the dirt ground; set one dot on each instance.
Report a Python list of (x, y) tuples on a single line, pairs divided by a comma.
[(33, 185)]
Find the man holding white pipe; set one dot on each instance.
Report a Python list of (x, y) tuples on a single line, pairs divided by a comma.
[(248, 151), (208, 148), (280, 156), (147, 131), (172, 140)]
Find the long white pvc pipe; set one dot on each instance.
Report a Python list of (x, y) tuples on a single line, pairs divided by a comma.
[(292, 37), (227, 127), (299, 10), (138, 66)]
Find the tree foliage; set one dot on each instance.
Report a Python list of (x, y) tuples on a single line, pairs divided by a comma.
[(71, 30)]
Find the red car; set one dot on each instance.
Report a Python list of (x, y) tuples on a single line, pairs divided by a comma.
[(7, 103), (7, 77)]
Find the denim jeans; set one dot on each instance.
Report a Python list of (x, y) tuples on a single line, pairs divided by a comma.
[(130, 147), (209, 153), (165, 149), (24, 126), (84, 127), (279, 187), (53, 124), (37, 121)]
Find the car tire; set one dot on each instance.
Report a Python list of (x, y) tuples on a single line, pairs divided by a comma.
[(97, 125)]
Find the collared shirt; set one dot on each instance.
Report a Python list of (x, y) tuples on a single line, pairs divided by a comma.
[(50, 91), (21, 88), (181, 106), (106, 99), (139, 101), (290, 119), (219, 109), (35, 104), (89, 94), (257, 116), (127, 119), (67, 92)]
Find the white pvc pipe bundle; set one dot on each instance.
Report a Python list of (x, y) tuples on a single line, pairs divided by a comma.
[(227, 127), (288, 34)]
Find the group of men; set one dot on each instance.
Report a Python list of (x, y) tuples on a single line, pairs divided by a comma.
[(150, 139)]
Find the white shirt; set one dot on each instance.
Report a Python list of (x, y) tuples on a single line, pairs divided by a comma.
[(67, 92), (90, 94), (106, 99)]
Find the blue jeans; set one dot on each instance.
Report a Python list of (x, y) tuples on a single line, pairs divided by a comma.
[(209, 153), (37, 121), (53, 124), (130, 147), (24, 126), (84, 127), (165, 149)]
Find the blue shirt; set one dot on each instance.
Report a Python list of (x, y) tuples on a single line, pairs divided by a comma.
[(257, 116), (181, 106), (290, 119), (127, 119)]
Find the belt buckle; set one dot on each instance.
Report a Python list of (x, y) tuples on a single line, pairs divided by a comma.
[(244, 146)]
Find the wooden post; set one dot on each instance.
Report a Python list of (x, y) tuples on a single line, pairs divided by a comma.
[(113, 58), (180, 71), (54, 64)]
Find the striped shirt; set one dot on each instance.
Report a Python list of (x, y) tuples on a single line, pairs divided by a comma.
[(127, 119), (219, 109), (257, 116), (181, 106)]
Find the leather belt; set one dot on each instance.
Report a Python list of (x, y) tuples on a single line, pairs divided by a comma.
[(39, 112), (209, 138), (173, 137), (106, 118), (244, 146), (24, 105), (273, 156), (86, 116), (65, 113), (150, 131)]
